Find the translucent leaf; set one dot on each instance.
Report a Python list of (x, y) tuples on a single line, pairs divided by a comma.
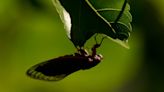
[(87, 17), (64, 15)]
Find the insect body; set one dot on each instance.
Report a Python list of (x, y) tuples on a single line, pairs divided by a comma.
[(58, 68)]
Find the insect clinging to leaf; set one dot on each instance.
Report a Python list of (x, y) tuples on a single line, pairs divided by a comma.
[(58, 68), (82, 20)]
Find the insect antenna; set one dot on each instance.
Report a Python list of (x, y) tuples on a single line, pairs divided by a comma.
[(97, 45), (102, 39)]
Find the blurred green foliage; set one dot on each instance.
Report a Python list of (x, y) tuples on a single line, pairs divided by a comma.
[(31, 32)]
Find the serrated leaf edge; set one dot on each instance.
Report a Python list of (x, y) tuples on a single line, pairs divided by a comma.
[(112, 9), (122, 43)]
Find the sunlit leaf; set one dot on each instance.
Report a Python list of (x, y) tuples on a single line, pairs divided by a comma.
[(84, 18)]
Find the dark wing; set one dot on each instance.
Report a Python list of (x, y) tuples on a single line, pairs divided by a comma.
[(57, 69)]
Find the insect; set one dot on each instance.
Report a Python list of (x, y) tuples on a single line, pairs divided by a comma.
[(58, 68)]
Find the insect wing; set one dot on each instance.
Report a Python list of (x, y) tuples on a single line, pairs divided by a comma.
[(56, 69)]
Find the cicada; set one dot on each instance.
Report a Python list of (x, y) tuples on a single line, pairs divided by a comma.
[(58, 68)]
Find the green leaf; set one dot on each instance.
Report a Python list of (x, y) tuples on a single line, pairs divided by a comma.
[(84, 18)]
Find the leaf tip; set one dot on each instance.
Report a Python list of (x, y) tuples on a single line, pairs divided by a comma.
[(123, 43)]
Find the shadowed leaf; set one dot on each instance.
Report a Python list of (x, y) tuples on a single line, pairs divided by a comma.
[(84, 18)]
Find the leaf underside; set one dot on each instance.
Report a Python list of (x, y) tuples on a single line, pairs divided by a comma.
[(83, 18)]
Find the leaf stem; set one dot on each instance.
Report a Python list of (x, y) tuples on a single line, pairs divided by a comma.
[(122, 11)]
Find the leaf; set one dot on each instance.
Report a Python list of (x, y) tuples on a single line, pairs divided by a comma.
[(64, 15), (84, 18)]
